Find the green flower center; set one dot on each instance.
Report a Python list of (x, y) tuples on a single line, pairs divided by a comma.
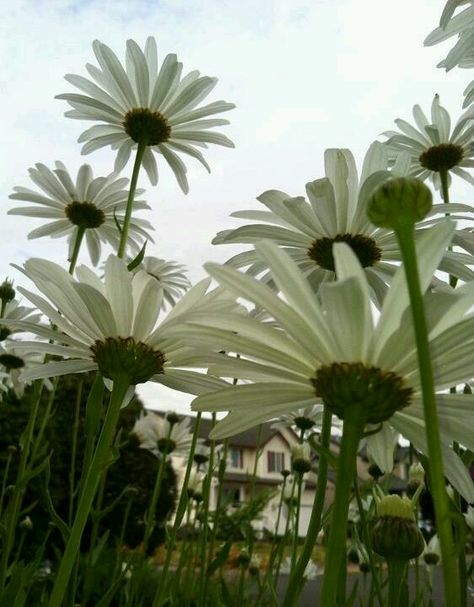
[(441, 157), (84, 214), (145, 126), (117, 356), (364, 247), (344, 385), (10, 361)]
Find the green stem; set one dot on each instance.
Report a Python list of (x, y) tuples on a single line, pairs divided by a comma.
[(205, 519), (99, 463), (131, 195), (444, 186), (299, 491), (77, 245), (336, 552), (14, 505), (72, 469), (405, 235), (367, 543), (396, 575), (151, 516), (183, 501), (296, 577)]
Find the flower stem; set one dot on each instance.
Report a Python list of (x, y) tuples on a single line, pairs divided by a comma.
[(131, 195), (294, 583), (151, 516), (396, 576), (13, 510), (180, 512), (99, 462), (75, 252), (405, 235), (354, 422)]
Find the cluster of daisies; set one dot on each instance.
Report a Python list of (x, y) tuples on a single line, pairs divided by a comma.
[(313, 312)]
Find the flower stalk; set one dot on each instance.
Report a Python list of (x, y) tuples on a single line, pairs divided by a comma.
[(353, 426), (131, 195), (99, 463)]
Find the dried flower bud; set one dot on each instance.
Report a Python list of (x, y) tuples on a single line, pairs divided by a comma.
[(172, 417), (399, 200)]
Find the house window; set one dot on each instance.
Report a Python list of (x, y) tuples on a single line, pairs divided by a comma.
[(275, 461), (236, 458), (232, 495)]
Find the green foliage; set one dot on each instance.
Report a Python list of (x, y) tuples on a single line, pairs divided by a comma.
[(129, 480), (237, 525)]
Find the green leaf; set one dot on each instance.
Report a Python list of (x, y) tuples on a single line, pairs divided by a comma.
[(138, 259)]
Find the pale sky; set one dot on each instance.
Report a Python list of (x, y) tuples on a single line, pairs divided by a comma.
[(305, 75)]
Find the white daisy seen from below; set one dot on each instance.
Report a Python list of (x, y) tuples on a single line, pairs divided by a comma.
[(16, 312), (169, 275), (335, 212), (434, 148), (329, 350), (160, 434), (111, 325), (85, 207), (460, 24), (149, 105)]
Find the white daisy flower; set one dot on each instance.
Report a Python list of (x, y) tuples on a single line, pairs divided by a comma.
[(462, 25), (15, 312), (109, 325), (307, 419), (169, 275), (14, 360), (140, 105), (160, 435), (336, 212), (89, 207), (329, 349), (432, 146)]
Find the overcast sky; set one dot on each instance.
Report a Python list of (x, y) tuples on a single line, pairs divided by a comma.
[(305, 75)]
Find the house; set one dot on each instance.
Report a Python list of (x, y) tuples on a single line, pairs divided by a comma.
[(267, 450)]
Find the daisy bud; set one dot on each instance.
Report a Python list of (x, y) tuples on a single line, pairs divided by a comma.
[(469, 517), (375, 471), (402, 199), (173, 418), (244, 558), (450, 492), (416, 477), (432, 551), (254, 565), (301, 458), (395, 534), (7, 292), (26, 524)]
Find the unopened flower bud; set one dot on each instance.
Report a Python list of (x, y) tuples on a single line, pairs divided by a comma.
[(301, 458), (399, 200), (375, 471), (395, 534), (244, 558), (450, 492), (432, 551), (285, 473), (7, 292), (26, 524), (173, 418), (416, 478), (469, 517)]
